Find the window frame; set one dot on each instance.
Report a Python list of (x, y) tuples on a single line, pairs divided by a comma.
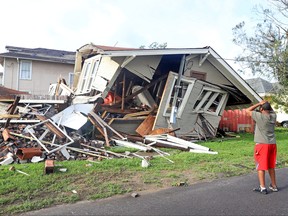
[(88, 74), (182, 101), (27, 76), (71, 79), (208, 99)]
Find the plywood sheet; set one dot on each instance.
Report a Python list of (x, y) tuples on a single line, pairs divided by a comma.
[(146, 126)]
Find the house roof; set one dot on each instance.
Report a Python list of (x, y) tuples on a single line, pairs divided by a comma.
[(104, 48), (8, 91), (262, 86), (207, 54), (243, 95), (40, 54), (91, 49)]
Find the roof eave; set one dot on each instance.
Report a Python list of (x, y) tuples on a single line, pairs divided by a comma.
[(37, 59), (145, 52)]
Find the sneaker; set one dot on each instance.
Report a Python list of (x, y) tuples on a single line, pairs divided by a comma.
[(260, 190), (274, 189)]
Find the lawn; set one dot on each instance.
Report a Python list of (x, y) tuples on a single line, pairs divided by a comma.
[(86, 180)]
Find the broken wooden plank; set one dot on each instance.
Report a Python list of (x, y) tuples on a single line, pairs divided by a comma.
[(51, 126), (101, 129), (146, 126), (186, 143), (202, 151), (99, 119), (137, 114), (126, 125), (55, 129), (106, 151), (132, 145), (12, 110), (51, 144), (123, 92), (164, 143), (10, 116), (6, 134), (160, 131), (49, 167), (21, 121), (117, 110)]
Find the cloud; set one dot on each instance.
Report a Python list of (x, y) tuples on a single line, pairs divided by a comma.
[(69, 24)]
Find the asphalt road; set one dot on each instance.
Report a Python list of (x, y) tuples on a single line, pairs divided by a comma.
[(232, 196)]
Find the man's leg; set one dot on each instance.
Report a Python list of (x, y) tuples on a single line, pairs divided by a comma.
[(261, 177), (272, 177)]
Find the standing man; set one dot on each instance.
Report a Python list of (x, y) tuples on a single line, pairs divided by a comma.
[(265, 149)]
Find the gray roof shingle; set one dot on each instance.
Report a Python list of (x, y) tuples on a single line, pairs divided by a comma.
[(40, 54), (262, 86)]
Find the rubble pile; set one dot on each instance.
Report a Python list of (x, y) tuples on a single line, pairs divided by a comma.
[(72, 138)]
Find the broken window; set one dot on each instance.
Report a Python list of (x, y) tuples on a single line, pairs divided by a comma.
[(85, 77), (93, 74), (186, 87), (88, 75), (71, 79), (210, 100)]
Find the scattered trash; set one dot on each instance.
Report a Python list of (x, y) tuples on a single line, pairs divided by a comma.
[(135, 195), (180, 184), (49, 167), (12, 168), (145, 163), (36, 159), (8, 159), (63, 169)]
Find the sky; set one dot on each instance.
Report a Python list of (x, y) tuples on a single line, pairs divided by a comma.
[(70, 24)]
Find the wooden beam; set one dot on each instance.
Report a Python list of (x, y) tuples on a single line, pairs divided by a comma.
[(10, 116), (146, 126), (102, 129), (12, 110), (123, 92)]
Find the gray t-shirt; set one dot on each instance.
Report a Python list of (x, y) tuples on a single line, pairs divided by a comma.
[(264, 128)]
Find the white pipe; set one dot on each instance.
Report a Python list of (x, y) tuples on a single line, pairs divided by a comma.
[(18, 74)]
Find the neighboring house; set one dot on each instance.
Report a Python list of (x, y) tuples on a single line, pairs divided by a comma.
[(265, 88), (33, 70), (190, 87), (262, 87)]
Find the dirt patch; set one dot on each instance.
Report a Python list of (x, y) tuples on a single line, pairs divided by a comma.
[(165, 179)]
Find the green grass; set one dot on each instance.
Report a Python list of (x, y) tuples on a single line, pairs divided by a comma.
[(86, 180)]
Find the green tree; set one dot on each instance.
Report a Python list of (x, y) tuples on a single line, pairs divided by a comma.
[(154, 45), (265, 50)]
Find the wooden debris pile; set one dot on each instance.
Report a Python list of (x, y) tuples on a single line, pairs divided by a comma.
[(77, 132)]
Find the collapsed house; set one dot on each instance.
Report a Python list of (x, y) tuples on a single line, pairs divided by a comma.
[(182, 90), (142, 97)]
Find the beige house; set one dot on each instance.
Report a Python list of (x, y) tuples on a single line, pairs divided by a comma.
[(33, 70)]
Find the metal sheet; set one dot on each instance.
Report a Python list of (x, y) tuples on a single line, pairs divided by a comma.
[(72, 116)]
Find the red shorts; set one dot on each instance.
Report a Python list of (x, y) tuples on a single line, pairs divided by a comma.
[(265, 156)]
